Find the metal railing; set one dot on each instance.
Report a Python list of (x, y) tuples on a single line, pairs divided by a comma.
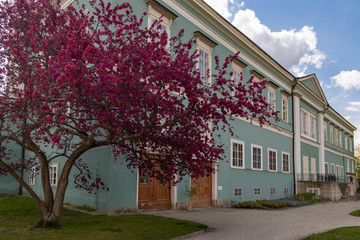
[(317, 177)]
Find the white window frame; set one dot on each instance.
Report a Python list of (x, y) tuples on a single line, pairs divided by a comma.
[(285, 108), (346, 142), (32, 172), (325, 131), (308, 124), (312, 126), (272, 97), (331, 134), (337, 170), (54, 168), (272, 191), (231, 153), (351, 143), (332, 169), (257, 191), (342, 171), (252, 157), (336, 135), (201, 46), (154, 15), (313, 190), (326, 168), (286, 191), (276, 163), (282, 160), (236, 70), (348, 165), (341, 138), (236, 192)]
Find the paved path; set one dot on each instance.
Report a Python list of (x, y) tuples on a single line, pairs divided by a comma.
[(254, 224)]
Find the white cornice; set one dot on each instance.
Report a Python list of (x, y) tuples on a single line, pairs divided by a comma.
[(339, 153), (234, 34)]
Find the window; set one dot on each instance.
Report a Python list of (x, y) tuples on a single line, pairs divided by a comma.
[(325, 131), (53, 172), (285, 108), (237, 192), (272, 159), (256, 191), (351, 143), (32, 176), (337, 171), (256, 153), (341, 171), (346, 142), (312, 126), (286, 162), (308, 124), (304, 123), (272, 97), (237, 75), (326, 168), (272, 191), (340, 139), (204, 47), (286, 191), (336, 136), (332, 169), (237, 154), (313, 190), (331, 133), (348, 165)]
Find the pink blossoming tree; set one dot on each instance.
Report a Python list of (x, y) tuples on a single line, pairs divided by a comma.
[(75, 80)]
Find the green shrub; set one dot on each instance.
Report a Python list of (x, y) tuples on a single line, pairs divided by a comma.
[(260, 204), (304, 197)]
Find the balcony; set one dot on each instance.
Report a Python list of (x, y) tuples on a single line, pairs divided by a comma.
[(317, 177)]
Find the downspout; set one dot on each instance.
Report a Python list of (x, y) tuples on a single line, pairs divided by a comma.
[(293, 130)]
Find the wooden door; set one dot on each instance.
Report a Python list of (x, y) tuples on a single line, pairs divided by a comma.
[(203, 195), (153, 194)]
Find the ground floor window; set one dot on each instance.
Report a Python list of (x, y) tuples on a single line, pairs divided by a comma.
[(237, 192), (32, 176), (256, 191), (286, 191), (54, 171), (272, 159), (285, 162), (313, 190), (272, 191), (256, 157)]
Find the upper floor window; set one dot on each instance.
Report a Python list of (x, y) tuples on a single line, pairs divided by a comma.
[(351, 143), (331, 133), (340, 138), (272, 95), (237, 69), (346, 141), (205, 47), (308, 124), (325, 131), (285, 108), (336, 136), (237, 154), (156, 11), (326, 168)]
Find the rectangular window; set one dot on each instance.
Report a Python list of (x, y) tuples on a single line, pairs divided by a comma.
[(285, 108), (336, 136), (325, 131), (53, 172), (348, 166), (346, 142), (312, 126), (337, 171), (286, 191), (286, 162), (237, 154), (342, 171), (313, 190), (237, 192), (332, 169), (351, 143), (237, 75), (272, 191), (272, 98), (256, 153), (256, 191), (326, 168), (272, 160), (304, 123), (204, 61), (32, 176), (340, 139), (331, 134)]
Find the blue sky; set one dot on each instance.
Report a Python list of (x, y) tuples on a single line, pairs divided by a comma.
[(305, 37)]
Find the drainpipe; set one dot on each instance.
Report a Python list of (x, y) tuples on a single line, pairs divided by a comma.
[(293, 130)]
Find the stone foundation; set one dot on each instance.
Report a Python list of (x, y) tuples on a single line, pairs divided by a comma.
[(332, 190)]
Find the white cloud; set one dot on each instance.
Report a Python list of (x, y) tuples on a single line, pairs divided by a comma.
[(354, 107), (295, 50), (347, 79)]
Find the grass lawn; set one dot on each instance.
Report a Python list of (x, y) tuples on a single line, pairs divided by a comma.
[(20, 215), (344, 233)]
